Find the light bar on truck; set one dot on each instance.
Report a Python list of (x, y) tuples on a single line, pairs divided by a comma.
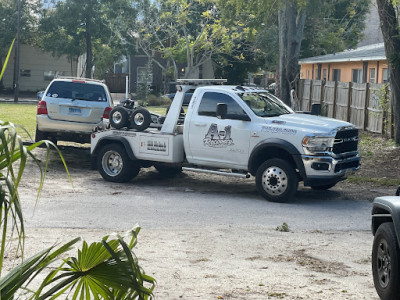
[(200, 81)]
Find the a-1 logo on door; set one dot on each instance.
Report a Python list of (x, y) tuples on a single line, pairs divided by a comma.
[(218, 139)]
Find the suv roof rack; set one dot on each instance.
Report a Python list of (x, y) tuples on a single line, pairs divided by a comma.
[(78, 78), (200, 81)]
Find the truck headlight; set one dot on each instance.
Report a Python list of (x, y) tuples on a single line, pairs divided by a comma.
[(317, 144)]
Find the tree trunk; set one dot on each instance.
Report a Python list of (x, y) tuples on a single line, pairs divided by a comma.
[(291, 25), (89, 53), (391, 37), (192, 72)]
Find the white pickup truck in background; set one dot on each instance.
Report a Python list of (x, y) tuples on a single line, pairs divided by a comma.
[(234, 131)]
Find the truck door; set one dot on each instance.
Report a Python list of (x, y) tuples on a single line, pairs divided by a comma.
[(217, 142)]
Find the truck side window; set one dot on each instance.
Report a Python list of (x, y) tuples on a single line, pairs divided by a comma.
[(208, 105)]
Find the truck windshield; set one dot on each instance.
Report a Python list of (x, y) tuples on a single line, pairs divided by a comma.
[(265, 105)]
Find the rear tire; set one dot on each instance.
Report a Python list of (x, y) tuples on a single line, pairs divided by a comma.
[(119, 117), (40, 135), (386, 262), (276, 180), (115, 165), (168, 171), (140, 119)]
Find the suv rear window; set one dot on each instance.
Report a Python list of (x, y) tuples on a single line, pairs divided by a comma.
[(77, 90)]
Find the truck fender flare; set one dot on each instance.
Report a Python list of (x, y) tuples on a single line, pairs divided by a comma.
[(283, 145), (118, 139), (386, 211)]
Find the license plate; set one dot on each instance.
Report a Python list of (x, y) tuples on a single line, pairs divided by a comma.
[(74, 111)]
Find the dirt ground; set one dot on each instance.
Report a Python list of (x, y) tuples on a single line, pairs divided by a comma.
[(241, 263)]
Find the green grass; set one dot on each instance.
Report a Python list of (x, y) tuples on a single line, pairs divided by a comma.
[(25, 116), (157, 109), (20, 114)]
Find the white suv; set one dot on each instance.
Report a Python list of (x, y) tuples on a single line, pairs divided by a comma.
[(70, 108)]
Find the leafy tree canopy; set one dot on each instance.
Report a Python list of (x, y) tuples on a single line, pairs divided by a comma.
[(96, 27), (8, 22), (333, 26), (188, 32)]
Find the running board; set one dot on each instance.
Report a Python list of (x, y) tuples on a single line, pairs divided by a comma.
[(223, 173)]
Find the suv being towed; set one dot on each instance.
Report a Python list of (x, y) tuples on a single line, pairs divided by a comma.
[(70, 108)]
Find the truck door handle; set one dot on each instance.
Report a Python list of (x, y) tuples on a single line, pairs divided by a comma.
[(200, 124)]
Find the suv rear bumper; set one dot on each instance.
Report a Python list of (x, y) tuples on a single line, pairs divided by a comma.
[(46, 124), (322, 170)]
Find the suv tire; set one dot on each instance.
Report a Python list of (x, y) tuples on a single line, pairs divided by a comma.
[(386, 262), (40, 135)]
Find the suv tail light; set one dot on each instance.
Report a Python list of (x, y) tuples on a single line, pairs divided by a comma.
[(42, 108), (106, 113)]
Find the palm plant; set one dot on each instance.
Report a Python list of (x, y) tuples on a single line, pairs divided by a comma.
[(105, 270)]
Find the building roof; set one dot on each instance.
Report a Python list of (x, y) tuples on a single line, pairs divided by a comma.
[(365, 53)]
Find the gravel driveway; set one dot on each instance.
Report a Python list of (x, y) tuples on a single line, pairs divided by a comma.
[(210, 237)]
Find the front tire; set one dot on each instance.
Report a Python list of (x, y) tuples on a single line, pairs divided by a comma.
[(385, 262), (276, 180), (115, 165)]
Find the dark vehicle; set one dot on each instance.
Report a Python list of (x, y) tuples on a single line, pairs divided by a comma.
[(386, 246)]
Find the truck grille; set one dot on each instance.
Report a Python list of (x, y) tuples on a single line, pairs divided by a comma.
[(346, 141), (347, 165)]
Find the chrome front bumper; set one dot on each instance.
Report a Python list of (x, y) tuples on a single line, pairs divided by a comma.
[(329, 167)]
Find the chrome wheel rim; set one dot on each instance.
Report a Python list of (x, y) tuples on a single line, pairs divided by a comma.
[(384, 264), (274, 181), (138, 119), (112, 163), (117, 117)]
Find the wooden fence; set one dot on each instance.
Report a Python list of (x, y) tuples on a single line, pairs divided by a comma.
[(116, 82), (366, 105)]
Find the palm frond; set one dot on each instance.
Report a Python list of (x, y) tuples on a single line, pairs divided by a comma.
[(106, 270), (12, 150), (29, 269)]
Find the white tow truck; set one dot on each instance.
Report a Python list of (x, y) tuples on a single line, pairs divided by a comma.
[(234, 131)]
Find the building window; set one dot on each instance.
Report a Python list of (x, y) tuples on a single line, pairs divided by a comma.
[(144, 75), (372, 75), (319, 72), (336, 74), (357, 75), (385, 75), (25, 73), (324, 74)]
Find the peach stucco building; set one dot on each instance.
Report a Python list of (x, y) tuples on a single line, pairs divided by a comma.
[(361, 65)]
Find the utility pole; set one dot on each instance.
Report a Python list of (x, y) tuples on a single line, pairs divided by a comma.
[(17, 51)]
